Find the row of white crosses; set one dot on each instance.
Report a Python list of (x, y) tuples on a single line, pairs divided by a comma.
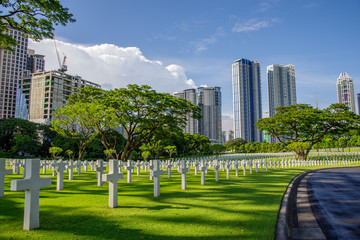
[(32, 181)]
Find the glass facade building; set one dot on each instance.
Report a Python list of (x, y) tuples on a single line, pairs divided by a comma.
[(247, 108)]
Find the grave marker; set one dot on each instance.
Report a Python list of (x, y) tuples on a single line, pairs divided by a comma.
[(3, 172), (112, 177), (31, 184), (156, 172)]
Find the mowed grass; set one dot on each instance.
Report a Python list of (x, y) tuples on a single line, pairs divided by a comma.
[(243, 207)]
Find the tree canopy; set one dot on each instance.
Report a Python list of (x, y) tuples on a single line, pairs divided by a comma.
[(301, 126), (139, 111), (35, 18)]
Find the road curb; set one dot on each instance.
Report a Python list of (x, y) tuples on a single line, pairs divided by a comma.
[(282, 229)]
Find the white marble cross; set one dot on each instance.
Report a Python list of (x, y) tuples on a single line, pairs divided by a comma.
[(266, 164), (236, 164), (168, 168), (216, 170), (16, 167), (227, 165), (60, 168), (129, 167), (22, 165), (3, 172), (70, 168), (156, 172), (31, 184), (112, 177), (138, 165), (99, 171), (196, 166), (78, 165), (202, 169), (244, 166), (86, 164), (44, 165), (183, 170)]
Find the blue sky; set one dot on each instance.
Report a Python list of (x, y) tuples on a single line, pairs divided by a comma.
[(199, 40)]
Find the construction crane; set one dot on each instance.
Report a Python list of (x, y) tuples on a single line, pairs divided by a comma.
[(62, 66)]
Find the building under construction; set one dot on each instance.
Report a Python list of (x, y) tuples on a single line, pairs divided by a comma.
[(39, 94)]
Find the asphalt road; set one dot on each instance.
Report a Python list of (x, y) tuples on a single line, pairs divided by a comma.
[(335, 199)]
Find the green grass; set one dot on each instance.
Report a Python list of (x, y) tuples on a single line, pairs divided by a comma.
[(237, 208)]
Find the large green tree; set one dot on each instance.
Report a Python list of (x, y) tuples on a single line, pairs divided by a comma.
[(139, 111), (76, 122), (35, 18), (301, 126)]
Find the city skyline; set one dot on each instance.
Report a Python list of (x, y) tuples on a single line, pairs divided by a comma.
[(172, 46)]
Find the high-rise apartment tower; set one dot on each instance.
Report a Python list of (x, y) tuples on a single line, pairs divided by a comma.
[(247, 109), (191, 123), (281, 86), (209, 100), (345, 91), (12, 63)]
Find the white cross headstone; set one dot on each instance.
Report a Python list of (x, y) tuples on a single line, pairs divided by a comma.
[(16, 167), (129, 169), (3, 172), (156, 172), (138, 165), (267, 164), (236, 164), (99, 171), (244, 167), (183, 170), (78, 165), (151, 166), (216, 170), (227, 165), (112, 177), (31, 184), (168, 168), (44, 165), (70, 168), (60, 168), (202, 169), (196, 166), (23, 165), (85, 164)]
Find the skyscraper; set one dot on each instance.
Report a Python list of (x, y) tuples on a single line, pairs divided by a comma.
[(191, 123), (345, 91), (11, 65), (281, 86), (247, 109), (209, 100), (35, 63)]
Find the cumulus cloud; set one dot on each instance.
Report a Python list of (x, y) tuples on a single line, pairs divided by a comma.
[(113, 66), (253, 25)]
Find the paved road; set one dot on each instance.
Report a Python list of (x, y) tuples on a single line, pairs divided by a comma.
[(335, 198)]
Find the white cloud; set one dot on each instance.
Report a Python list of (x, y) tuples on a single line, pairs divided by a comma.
[(253, 25), (113, 66), (203, 44), (267, 5)]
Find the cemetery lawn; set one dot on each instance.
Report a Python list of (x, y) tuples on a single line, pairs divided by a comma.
[(243, 207)]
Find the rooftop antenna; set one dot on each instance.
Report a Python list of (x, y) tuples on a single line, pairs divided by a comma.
[(62, 66)]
